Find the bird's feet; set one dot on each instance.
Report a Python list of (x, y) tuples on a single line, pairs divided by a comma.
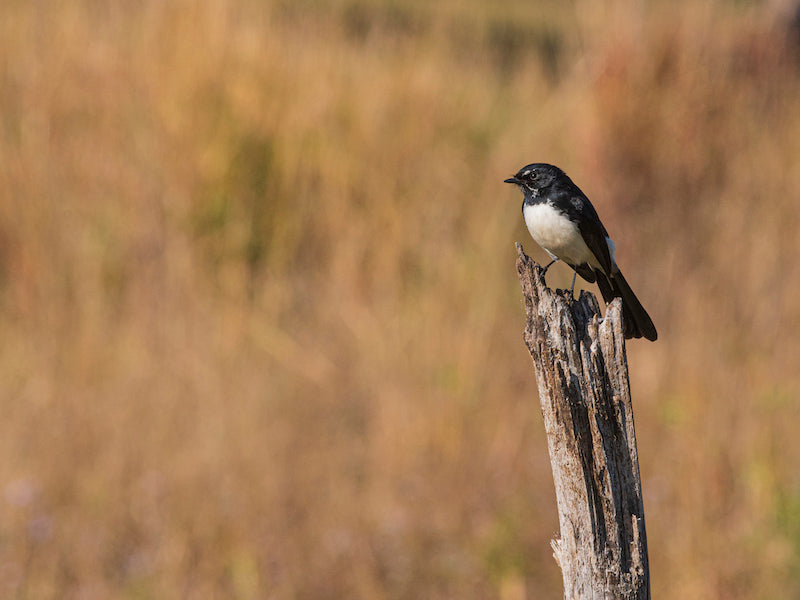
[(572, 289), (544, 271)]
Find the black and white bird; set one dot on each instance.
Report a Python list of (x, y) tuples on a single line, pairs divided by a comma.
[(561, 220)]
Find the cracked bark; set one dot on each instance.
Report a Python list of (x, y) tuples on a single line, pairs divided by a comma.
[(582, 374)]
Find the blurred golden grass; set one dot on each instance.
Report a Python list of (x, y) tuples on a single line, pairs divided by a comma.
[(261, 323)]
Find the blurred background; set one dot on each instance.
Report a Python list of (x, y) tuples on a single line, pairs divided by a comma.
[(261, 328)]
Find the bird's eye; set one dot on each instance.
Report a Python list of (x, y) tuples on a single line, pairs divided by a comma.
[(534, 175)]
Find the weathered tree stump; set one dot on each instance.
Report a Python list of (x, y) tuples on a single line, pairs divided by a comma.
[(582, 373)]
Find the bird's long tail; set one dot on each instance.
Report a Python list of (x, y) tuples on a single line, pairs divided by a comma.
[(636, 322)]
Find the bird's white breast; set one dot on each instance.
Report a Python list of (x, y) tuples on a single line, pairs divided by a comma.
[(554, 232)]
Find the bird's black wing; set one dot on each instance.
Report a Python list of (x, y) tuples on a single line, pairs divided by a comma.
[(580, 211), (592, 231)]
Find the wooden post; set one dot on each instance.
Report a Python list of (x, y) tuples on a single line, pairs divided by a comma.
[(582, 372)]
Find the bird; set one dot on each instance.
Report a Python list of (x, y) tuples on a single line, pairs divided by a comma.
[(562, 220)]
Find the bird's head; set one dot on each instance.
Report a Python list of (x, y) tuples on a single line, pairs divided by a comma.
[(535, 178)]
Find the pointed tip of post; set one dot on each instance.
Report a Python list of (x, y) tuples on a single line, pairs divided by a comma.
[(612, 336), (613, 316), (524, 261)]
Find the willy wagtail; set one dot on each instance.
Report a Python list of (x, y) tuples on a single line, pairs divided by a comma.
[(561, 220)]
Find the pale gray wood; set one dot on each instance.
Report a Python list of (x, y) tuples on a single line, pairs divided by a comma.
[(582, 373)]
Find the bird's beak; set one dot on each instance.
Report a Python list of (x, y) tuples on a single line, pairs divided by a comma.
[(512, 180)]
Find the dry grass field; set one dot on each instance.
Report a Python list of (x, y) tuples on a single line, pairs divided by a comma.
[(261, 324)]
